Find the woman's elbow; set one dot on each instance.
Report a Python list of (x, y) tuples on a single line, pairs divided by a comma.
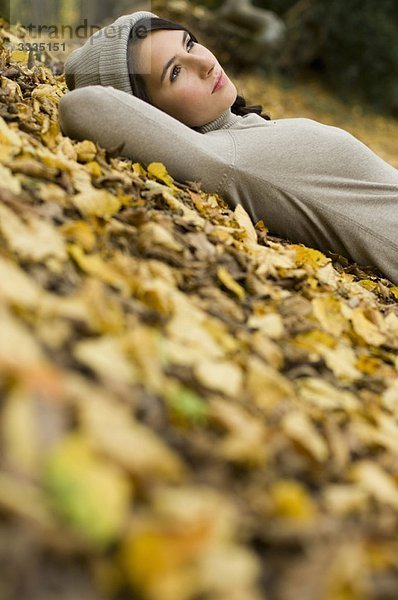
[(76, 109)]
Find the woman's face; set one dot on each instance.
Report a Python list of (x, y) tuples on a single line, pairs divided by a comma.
[(180, 76)]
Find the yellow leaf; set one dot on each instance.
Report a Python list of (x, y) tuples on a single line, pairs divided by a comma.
[(390, 397), (91, 493), (230, 571), (10, 141), (50, 134), (247, 224), (21, 447), (34, 238), (176, 205), (50, 192), (245, 441), (291, 500), (176, 352), (376, 482), (328, 275), (369, 364), (158, 170), (221, 376), (81, 232), (391, 324), (341, 360), (326, 309), (57, 161), (86, 151), (300, 428), (94, 168), (230, 283), (99, 203), (67, 149), (187, 329), (309, 257), (268, 350), (271, 261), (94, 265), (368, 284), (163, 550), (312, 340), (46, 91), (267, 385), (9, 181), (158, 295), (324, 395), (154, 234), (369, 332), (155, 560), (105, 315), (24, 499), (17, 287), (260, 225), (13, 88), (114, 431), (14, 334), (343, 499), (270, 323), (105, 356), (138, 169), (19, 56), (385, 434)]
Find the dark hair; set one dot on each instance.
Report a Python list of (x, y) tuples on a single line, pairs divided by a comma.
[(140, 30)]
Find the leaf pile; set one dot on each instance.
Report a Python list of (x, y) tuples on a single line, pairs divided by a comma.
[(190, 408)]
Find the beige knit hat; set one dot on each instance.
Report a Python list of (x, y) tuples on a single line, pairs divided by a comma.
[(102, 60)]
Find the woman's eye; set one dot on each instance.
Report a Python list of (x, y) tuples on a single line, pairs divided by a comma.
[(173, 72), (190, 45)]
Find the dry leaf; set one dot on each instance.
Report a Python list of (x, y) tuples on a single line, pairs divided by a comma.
[(98, 203), (376, 482), (299, 428), (32, 239), (90, 493), (219, 376), (135, 447)]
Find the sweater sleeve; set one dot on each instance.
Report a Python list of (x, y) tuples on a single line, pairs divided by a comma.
[(125, 124)]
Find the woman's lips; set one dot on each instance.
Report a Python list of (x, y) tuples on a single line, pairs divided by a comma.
[(221, 81)]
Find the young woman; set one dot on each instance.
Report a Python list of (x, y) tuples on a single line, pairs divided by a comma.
[(145, 88)]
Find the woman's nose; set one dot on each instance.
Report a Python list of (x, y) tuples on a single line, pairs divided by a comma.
[(203, 64)]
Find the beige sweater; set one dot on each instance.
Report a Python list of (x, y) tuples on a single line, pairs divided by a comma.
[(310, 183)]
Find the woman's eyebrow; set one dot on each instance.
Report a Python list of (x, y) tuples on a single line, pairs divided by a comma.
[(169, 62)]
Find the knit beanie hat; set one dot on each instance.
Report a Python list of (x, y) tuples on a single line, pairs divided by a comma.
[(102, 60)]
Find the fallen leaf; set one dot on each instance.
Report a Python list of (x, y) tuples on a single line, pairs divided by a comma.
[(34, 239), (91, 493), (376, 482), (299, 428), (99, 203)]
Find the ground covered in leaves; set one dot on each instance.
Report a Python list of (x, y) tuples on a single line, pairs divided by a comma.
[(191, 409)]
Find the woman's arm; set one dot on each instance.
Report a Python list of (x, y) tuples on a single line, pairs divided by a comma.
[(133, 128)]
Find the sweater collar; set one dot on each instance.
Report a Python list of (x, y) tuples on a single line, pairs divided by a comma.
[(224, 121)]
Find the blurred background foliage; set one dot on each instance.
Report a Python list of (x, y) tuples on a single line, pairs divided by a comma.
[(353, 46)]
